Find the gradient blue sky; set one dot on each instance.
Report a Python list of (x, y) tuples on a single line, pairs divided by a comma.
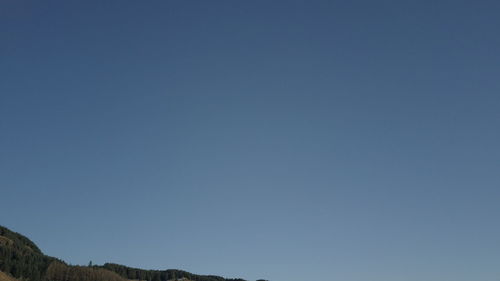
[(286, 140)]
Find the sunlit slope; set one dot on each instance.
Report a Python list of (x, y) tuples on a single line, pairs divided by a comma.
[(5, 277)]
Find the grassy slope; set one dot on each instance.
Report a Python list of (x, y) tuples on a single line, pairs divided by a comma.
[(5, 277)]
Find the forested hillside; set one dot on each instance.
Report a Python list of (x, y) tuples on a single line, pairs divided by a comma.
[(21, 259), (161, 275)]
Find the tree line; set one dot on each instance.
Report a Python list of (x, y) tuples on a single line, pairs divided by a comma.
[(161, 275), (22, 259)]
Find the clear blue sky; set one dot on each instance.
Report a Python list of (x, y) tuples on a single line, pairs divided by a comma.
[(286, 140)]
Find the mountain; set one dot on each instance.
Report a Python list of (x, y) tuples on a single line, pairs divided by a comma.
[(21, 259)]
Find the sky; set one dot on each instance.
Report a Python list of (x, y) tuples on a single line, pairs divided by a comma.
[(285, 140)]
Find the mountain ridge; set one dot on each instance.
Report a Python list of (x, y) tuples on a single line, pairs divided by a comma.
[(22, 259)]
